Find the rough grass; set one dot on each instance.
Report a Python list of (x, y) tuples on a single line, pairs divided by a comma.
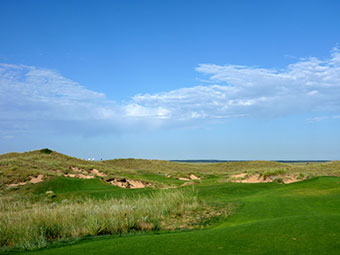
[(274, 172), (27, 225)]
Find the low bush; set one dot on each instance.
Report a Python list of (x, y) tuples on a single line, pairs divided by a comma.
[(46, 151)]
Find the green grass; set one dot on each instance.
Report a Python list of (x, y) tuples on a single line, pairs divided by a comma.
[(72, 188), (270, 218), (299, 218), (31, 225)]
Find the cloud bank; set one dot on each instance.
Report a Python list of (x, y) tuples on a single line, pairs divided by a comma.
[(33, 99)]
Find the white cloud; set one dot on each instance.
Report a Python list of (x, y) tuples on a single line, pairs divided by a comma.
[(33, 98), (307, 86)]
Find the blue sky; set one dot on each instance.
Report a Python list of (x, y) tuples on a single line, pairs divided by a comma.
[(171, 79)]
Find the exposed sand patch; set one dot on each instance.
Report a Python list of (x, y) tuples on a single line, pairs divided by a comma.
[(129, 184), (191, 177), (70, 175), (80, 176), (194, 177), (16, 184), (187, 184), (37, 179), (33, 180), (257, 178), (84, 174), (183, 179), (78, 170), (97, 173)]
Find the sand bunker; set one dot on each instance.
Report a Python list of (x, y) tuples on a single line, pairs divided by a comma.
[(129, 184), (16, 184), (33, 180), (194, 177), (80, 176), (257, 178), (191, 177), (78, 170), (183, 179), (84, 174), (37, 179), (97, 173)]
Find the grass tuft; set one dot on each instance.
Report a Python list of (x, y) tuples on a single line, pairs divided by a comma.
[(31, 225)]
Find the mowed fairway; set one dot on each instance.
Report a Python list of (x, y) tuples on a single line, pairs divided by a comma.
[(299, 218)]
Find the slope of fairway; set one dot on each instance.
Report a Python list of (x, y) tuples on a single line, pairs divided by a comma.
[(66, 188), (299, 218)]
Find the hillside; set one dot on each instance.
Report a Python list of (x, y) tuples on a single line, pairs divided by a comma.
[(22, 167)]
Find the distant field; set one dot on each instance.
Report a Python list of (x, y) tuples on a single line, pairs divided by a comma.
[(212, 216)]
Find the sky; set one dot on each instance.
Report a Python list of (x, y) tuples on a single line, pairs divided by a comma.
[(228, 80)]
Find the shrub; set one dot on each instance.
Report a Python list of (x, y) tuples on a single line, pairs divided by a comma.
[(46, 151)]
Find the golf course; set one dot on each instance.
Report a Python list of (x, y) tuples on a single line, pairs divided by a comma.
[(215, 211), (169, 127)]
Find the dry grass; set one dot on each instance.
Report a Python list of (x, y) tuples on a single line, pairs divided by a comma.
[(27, 225)]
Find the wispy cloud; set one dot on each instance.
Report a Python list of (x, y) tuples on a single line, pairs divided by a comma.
[(34, 98), (321, 118)]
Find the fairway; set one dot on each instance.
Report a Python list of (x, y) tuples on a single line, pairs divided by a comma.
[(298, 218)]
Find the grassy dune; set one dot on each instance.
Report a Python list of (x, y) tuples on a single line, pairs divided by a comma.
[(268, 218), (18, 167)]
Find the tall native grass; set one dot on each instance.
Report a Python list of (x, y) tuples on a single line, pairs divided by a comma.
[(27, 225)]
